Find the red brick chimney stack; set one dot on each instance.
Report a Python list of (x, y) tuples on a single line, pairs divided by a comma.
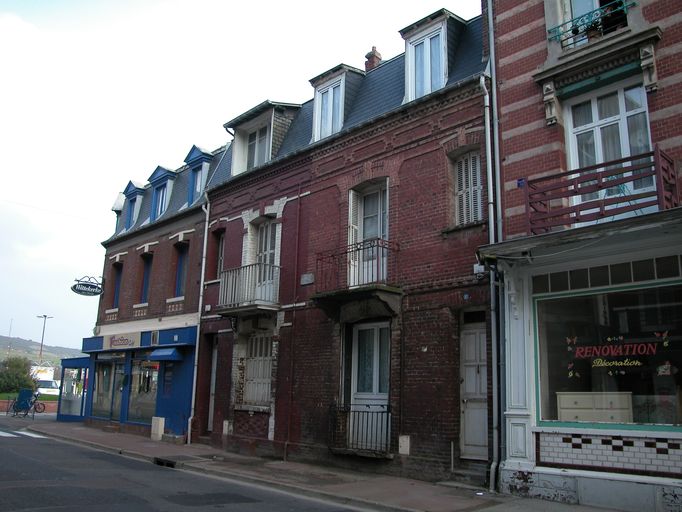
[(373, 59)]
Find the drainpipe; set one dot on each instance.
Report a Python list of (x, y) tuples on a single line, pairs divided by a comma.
[(493, 291), (497, 292), (206, 208)]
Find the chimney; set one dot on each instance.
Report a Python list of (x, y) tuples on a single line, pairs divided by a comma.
[(373, 59)]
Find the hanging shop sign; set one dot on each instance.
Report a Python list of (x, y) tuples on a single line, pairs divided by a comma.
[(88, 286)]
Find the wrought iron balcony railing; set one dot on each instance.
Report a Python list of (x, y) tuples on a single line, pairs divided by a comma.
[(606, 191), (364, 263), (256, 284), (361, 428), (593, 24)]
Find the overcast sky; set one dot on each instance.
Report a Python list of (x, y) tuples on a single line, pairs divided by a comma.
[(94, 93)]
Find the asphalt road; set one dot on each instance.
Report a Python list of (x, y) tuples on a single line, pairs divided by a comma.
[(47, 475)]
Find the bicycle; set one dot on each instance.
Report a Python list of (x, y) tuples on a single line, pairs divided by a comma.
[(26, 403)]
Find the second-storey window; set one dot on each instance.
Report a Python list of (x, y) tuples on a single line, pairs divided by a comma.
[(118, 277), (367, 234), (146, 273), (605, 127), (257, 148), (468, 189), (220, 263), (181, 269)]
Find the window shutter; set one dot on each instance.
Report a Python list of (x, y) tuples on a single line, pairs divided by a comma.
[(460, 198), (476, 188), (353, 235)]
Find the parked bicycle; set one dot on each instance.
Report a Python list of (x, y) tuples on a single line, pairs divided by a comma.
[(25, 403)]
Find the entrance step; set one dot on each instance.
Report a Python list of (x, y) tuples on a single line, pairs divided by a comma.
[(112, 428), (468, 474), (204, 440)]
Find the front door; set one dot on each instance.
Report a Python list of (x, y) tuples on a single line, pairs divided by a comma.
[(369, 427), (473, 393), (120, 381), (211, 399)]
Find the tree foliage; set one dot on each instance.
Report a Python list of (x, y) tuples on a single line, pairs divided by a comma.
[(15, 373)]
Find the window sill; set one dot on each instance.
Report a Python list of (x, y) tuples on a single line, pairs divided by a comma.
[(463, 227), (175, 299), (110, 311), (252, 408), (141, 305)]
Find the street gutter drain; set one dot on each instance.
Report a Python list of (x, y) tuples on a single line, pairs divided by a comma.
[(166, 463)]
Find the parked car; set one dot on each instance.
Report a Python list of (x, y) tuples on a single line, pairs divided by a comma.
[(47, 387)]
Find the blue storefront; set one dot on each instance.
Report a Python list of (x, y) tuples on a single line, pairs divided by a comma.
[(133, 377)]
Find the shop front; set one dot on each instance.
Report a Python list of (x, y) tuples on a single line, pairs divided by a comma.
[(593, 358), (138, 376)]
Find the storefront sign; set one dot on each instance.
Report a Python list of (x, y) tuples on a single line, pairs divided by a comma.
[(88, 286), (122, 341), (616, 353)]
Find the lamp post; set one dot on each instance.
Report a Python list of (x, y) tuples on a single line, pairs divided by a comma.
[(42, 338)]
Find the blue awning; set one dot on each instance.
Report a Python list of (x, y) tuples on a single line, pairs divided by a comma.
[(165, 354)]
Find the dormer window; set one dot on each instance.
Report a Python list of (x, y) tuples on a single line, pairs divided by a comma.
[(133, 193), (160, 198), (426, 54), (198, 160), (130, 217), (426, 59), (162, 183), (257, 148), (329, 114)]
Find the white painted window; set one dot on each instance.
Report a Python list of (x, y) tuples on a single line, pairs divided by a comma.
[(367, 231), (329, 109), (426, 63), (468, 189), (608, 125), (257, 151), (258, 370)]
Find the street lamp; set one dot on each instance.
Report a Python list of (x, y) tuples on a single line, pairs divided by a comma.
[(45, 318)]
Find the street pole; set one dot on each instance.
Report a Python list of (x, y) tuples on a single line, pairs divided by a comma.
[(42, 338)]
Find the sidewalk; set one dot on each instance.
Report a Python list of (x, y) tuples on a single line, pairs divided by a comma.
[(377, 492)]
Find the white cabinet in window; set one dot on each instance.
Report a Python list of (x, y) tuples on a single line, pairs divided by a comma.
[(612, 407)]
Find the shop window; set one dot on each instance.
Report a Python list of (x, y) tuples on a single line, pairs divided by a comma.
[(612, 357), (101, 402), (144, 383), (168, 370)]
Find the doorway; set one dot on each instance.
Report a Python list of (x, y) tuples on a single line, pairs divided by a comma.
[(473, 393)]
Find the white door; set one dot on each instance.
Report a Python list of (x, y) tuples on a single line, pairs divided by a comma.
[(473, 394), (369, 417)]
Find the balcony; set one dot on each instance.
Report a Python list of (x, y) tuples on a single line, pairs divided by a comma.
[(608, 191), (592, 25), (249, 288), (360, 429)]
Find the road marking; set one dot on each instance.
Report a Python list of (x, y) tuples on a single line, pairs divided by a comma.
[(6, 434), (29, 434)]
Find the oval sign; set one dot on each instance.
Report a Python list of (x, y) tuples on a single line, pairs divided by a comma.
[(87, 288)]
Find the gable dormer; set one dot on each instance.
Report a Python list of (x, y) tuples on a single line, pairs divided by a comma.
[(258, 134), (133, 195), (334, 92), (430, 46), (198, 160), (161, 181)]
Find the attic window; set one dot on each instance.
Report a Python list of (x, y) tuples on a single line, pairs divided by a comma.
[(160, 201), (426, 66), (257, 148), (329, 108), (130, 217)]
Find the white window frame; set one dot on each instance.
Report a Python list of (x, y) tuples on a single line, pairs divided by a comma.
[(261, 145), (258, 370), (572, 132), (334, 119), (468, 189), (425, 36), (160, 200)]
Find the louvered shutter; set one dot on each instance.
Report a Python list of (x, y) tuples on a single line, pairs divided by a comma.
[(353, 236), (460, 194), (476, 188)]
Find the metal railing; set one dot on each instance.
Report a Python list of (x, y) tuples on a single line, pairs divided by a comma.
[(593, 24), (251, 284), (362, 428), (608, 190), (364, 263)]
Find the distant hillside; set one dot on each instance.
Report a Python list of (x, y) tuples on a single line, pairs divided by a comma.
[(31, 349)]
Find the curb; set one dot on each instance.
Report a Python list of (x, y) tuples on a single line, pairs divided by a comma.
[(237, 476)]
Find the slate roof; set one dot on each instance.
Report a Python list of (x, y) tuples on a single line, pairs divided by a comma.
[(381, 91)]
